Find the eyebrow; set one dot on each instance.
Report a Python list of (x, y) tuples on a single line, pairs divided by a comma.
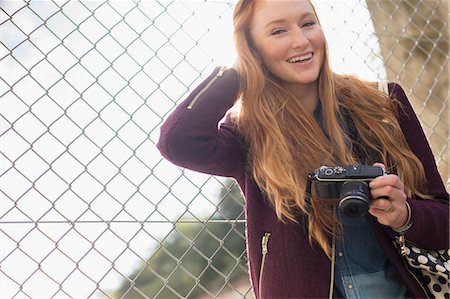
[(280, 21)]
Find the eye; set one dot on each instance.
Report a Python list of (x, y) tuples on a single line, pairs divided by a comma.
[(308, 24), (277, 32)]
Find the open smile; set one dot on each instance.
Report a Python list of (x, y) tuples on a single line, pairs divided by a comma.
[(302, 58)]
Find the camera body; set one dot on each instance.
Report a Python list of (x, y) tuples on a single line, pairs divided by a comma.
[(349, 184)]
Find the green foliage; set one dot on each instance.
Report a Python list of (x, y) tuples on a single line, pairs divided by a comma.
[(195, 259)]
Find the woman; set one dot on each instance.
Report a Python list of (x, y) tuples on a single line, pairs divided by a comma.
[(295, 116)]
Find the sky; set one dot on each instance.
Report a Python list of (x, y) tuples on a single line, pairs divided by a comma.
[(85, 194)]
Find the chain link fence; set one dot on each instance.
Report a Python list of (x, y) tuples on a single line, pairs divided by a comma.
[(89, 209)]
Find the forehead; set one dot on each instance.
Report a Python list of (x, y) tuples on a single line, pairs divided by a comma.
[(267, 11)]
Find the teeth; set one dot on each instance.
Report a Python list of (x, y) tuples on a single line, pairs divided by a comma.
[(300, 58)]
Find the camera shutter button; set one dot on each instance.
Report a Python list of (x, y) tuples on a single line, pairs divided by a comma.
[(328, 171)]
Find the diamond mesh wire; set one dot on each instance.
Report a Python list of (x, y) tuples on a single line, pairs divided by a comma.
[(89, 209)]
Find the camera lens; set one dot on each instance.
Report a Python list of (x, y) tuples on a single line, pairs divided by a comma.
[(354, 198)]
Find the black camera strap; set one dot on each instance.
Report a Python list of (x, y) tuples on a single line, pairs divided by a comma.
[(307, 198)]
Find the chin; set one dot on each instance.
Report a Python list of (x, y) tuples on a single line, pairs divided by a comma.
[(306, 80)]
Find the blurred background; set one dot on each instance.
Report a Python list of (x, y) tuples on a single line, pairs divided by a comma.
[(88, 207)]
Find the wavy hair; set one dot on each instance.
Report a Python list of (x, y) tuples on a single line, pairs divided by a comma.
[(285, 142)]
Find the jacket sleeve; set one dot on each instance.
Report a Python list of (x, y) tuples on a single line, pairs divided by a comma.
[(191, 136), (430, 217)]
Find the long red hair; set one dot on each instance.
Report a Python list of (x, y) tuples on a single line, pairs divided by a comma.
[(286, 143)]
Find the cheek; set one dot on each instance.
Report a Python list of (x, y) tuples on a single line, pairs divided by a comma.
[(273, 51), (319, 40)]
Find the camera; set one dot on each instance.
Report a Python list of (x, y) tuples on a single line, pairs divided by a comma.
[(349, 184)]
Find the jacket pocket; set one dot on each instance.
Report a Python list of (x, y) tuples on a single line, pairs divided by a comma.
[(264, 251), (207, 86)]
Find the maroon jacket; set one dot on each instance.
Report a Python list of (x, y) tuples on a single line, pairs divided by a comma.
[(192, 138)]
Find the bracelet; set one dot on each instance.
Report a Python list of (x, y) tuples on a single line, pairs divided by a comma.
[(402, 230)]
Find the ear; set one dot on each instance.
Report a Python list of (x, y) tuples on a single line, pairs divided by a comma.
[(256, 55), (252, 48)]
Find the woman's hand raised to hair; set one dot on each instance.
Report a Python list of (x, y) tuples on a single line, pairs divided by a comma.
[(388, 200)]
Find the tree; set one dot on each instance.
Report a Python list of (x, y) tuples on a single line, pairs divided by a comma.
[(414, 41), (196, 260)]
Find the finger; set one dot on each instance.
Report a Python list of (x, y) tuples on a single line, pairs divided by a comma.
[(385, 191), (388, 192), (390, 209), (390, 179), (380, 204), (395, 217), (378, 164), (382, 217)]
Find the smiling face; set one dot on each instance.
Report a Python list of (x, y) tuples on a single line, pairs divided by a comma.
[(289, 41)]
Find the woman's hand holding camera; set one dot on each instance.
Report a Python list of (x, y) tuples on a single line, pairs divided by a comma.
[(388, 203)]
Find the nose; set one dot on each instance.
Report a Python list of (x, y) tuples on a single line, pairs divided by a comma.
[(299, 39)]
